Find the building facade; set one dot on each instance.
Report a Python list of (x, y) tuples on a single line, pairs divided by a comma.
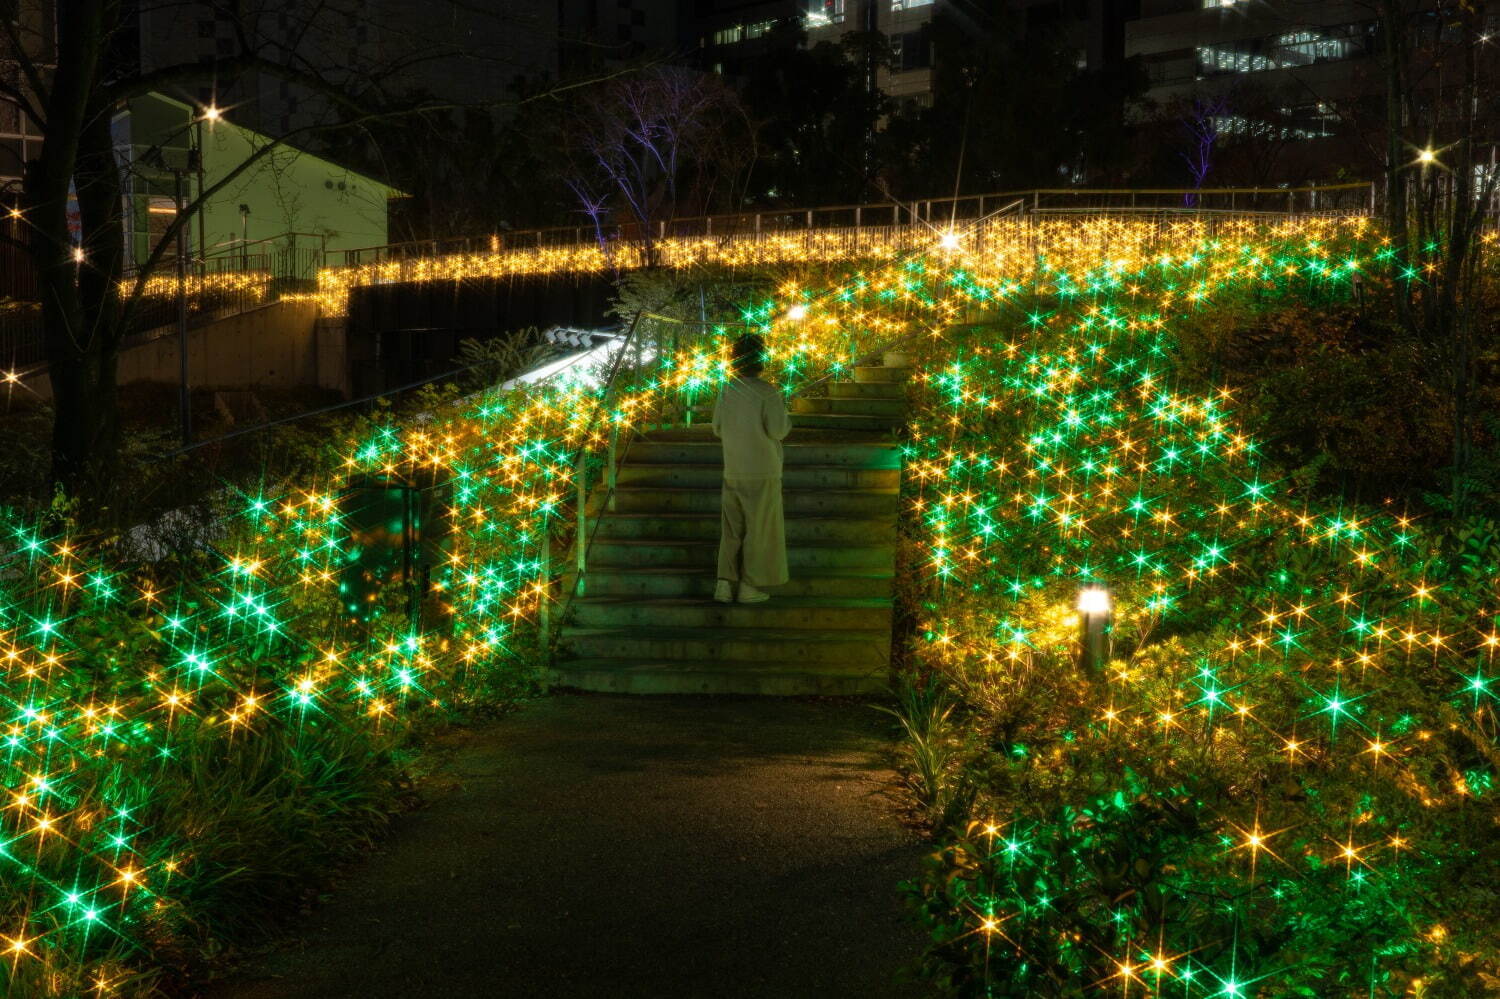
[(1297, 82), (20, 136), (287, 198)]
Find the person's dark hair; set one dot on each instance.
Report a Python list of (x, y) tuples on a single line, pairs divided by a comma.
[(748, 355)]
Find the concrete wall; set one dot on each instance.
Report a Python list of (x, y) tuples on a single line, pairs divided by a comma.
[(275, 346)]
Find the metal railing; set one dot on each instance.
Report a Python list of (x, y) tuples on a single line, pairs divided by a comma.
[(226, 281), (21, 343), (930, 212)]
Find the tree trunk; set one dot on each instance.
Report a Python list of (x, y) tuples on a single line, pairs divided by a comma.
[(80, 298), (86, 427)]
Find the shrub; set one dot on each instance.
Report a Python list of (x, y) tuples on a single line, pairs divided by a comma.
[(1282, 781)]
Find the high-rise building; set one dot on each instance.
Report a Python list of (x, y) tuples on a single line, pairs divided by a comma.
[(1317, 54), (728, 34), (460, 52), (596, 33), (20, 136), (377, 49), (1298, 86)]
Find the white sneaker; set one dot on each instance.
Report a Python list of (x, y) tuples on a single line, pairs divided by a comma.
[(722, 592), (750, 595)]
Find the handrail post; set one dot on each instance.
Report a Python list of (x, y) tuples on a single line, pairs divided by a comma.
[(609, 471), (544, 608), (581, 544)]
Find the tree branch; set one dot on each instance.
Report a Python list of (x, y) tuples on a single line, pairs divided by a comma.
[(23, 60)]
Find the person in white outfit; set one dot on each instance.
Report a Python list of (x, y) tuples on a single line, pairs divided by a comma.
[(750, 417)]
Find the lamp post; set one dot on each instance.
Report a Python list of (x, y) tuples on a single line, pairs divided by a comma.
[(1093, 610), (184, 399), (244, 237)]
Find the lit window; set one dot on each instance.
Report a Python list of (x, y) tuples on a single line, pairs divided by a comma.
[(909, 4), (740, 32), (1486, 179), (823, 12), (1288, 50)]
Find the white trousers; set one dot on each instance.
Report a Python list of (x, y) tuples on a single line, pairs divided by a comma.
[(752, 536)]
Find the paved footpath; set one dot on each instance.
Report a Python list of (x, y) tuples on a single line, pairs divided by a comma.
[(621, 847)]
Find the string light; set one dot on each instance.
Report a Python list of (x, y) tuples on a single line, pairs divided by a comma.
[(1113, 471)]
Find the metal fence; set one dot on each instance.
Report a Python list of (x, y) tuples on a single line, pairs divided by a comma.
[(21, 344), (1354, 198)]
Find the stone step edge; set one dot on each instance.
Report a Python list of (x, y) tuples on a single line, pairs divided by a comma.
[(682, 516), (714, 542), (869, 491), (664, 683), (765, 666), (832, 572), (790, 603), (728, 634)]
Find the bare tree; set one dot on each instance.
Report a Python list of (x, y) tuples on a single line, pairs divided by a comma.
[(1201, 123), (665, 140), (72, 90), (1441, 71)]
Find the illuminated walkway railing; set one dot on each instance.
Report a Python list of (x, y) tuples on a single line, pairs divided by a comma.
[(1010, 237), (926, 213)]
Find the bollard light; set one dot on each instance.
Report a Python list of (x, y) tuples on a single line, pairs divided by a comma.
[(1094, 606), (1093, 600)]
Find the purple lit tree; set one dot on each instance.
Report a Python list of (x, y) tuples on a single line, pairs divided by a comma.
[(663, 140), (1202, 127)]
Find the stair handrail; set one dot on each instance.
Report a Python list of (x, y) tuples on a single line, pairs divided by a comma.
[(583, 539)]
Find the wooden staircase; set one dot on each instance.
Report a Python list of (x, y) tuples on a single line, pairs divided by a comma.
[(645, 621)]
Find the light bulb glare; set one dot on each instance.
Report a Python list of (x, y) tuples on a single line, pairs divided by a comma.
[(1093, 600)]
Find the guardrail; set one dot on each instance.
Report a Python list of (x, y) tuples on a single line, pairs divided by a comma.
[(933, 212), (226, 281)]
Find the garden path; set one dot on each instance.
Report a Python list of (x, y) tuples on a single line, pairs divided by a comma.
[(629, 847)]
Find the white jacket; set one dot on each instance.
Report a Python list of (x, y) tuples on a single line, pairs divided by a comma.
[(750, 418)]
